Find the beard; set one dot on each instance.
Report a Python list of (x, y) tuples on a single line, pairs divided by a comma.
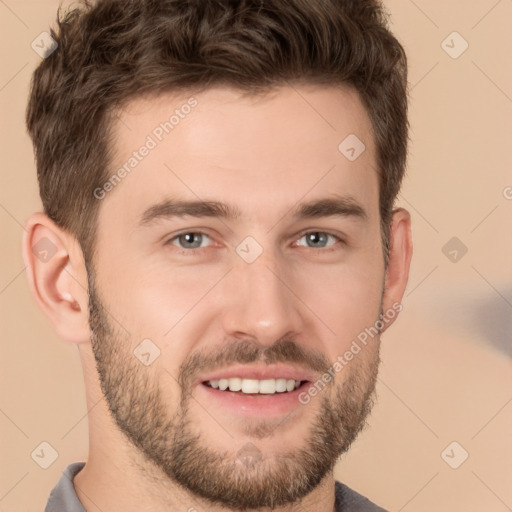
[(250, 478)]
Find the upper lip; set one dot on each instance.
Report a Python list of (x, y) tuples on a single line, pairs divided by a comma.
[(259, 372)]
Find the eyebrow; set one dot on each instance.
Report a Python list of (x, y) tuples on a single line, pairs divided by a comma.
[(338, 206)]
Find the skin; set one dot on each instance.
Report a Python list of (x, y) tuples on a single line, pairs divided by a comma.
[(262, 155)]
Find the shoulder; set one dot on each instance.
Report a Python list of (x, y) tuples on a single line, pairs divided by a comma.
[(348, 500), (63, 497)]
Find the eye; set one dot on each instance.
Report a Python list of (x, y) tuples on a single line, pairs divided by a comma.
[(318, 239), (189, 240)]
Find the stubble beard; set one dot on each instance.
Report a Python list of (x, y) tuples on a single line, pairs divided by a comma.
[(172, 444)]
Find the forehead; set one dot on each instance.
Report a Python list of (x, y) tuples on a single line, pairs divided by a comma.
[(250, 150)]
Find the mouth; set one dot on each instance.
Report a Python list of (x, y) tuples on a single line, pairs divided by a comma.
[(255, 391), (255, 386)]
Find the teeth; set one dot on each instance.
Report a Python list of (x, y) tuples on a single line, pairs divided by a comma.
[(280, 385), (251, 386), (268, 386), (235, 384)]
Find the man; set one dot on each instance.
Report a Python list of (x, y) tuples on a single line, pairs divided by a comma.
[(218, 181)]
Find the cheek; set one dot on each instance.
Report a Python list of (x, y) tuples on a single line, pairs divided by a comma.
[(152, 298), (346, 299), (161, 305)]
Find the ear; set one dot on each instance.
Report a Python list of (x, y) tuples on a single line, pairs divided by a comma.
[(400, 254), (57, 277)]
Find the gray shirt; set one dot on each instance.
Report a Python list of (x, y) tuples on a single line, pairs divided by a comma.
[(63, 497)]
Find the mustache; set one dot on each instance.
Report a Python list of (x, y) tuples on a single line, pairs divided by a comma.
[(244, 352)]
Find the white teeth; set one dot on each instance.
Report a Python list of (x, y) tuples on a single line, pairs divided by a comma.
[(268, 386), (280, 385), (235, 384), (251, 386)]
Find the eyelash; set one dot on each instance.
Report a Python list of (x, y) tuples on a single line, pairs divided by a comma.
[(199, 249)]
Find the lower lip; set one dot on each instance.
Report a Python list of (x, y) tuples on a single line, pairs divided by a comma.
[(253, 404)]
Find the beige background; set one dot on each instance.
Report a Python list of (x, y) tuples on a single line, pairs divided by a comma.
[(446, 373)]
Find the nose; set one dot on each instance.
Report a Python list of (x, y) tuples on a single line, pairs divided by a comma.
[(259, 301)]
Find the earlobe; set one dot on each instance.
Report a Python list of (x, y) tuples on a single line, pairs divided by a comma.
[(400, 254), (57, 277)]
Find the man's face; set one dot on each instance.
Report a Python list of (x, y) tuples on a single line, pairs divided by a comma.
[(266, 299)]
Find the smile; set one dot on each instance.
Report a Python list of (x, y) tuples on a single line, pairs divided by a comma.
[(255, 386)]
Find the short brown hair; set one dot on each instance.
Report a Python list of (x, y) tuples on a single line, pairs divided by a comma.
[(111, 51)]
